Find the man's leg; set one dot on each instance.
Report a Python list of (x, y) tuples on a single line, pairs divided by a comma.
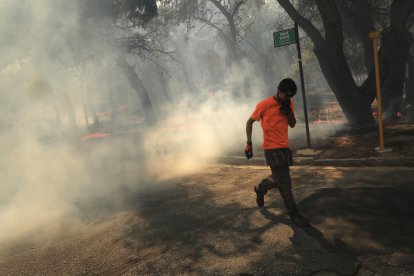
[(282, 175), (262, 188)]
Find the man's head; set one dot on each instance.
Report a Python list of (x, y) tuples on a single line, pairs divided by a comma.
[(286, 89)]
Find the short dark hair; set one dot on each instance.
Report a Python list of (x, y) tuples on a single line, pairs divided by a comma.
[(288, 86)]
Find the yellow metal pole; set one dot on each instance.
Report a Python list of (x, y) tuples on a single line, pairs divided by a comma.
[(375, 36)]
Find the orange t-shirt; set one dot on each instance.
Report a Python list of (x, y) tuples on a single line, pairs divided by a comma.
[(274, 123)]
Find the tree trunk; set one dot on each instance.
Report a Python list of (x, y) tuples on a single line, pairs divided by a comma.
[(182, 62), (364, 25), (69, 109), (409, 84), (368, 88), (55, 106), (357, 16), (394, 87), (356, 109), (165, 88), (231, 39), (395, 44), (331, 58), (89, 102), (140, 89), (409, 90), (354, 106), (401, 40), (232, 48)]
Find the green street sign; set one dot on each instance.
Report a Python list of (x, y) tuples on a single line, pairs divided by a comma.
[(285, 37)]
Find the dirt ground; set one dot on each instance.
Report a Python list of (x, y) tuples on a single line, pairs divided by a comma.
[(397, 136), (207, 223)]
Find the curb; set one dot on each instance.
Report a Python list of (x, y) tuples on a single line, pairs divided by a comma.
[(310, 161), (370, 161)]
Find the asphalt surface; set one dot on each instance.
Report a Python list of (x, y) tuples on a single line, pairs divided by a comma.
[(207, 223)]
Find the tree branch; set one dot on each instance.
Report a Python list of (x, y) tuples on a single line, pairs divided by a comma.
[(221, 8), (209, 23), (305, 24), (237, 6)]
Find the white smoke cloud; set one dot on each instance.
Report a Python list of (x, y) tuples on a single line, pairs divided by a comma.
[(56, 65)]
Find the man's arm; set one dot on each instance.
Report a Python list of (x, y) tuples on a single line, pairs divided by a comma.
[(291, 119), (249, 129), (248, 149)]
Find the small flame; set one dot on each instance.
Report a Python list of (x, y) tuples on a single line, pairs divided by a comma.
[(95, 135), (398, 115)]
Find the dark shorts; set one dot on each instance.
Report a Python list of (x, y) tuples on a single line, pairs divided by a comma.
[(279, 157)]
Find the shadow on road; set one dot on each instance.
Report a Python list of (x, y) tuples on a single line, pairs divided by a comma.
[(366, 214), (182, 215), (183, 220)]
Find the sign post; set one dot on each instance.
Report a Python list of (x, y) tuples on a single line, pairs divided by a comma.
[(375, 36), (287, 37)]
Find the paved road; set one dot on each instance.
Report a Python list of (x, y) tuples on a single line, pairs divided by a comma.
[(208, 223)]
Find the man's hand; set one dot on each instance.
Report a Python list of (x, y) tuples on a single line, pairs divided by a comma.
[(285, 108), (248, 150)]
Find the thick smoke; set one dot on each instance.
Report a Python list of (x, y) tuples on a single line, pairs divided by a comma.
[(49, 80), (72, 128)]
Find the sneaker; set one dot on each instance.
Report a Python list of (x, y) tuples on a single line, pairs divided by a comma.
[(258, 189), (300, 221)]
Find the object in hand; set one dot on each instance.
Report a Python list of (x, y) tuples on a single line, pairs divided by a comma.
[(285, 108), (248, 150), (249, 154)]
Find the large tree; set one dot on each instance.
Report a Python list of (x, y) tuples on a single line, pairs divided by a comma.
[(223, 16), (129, 18), (396, 41), (329, 50)]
